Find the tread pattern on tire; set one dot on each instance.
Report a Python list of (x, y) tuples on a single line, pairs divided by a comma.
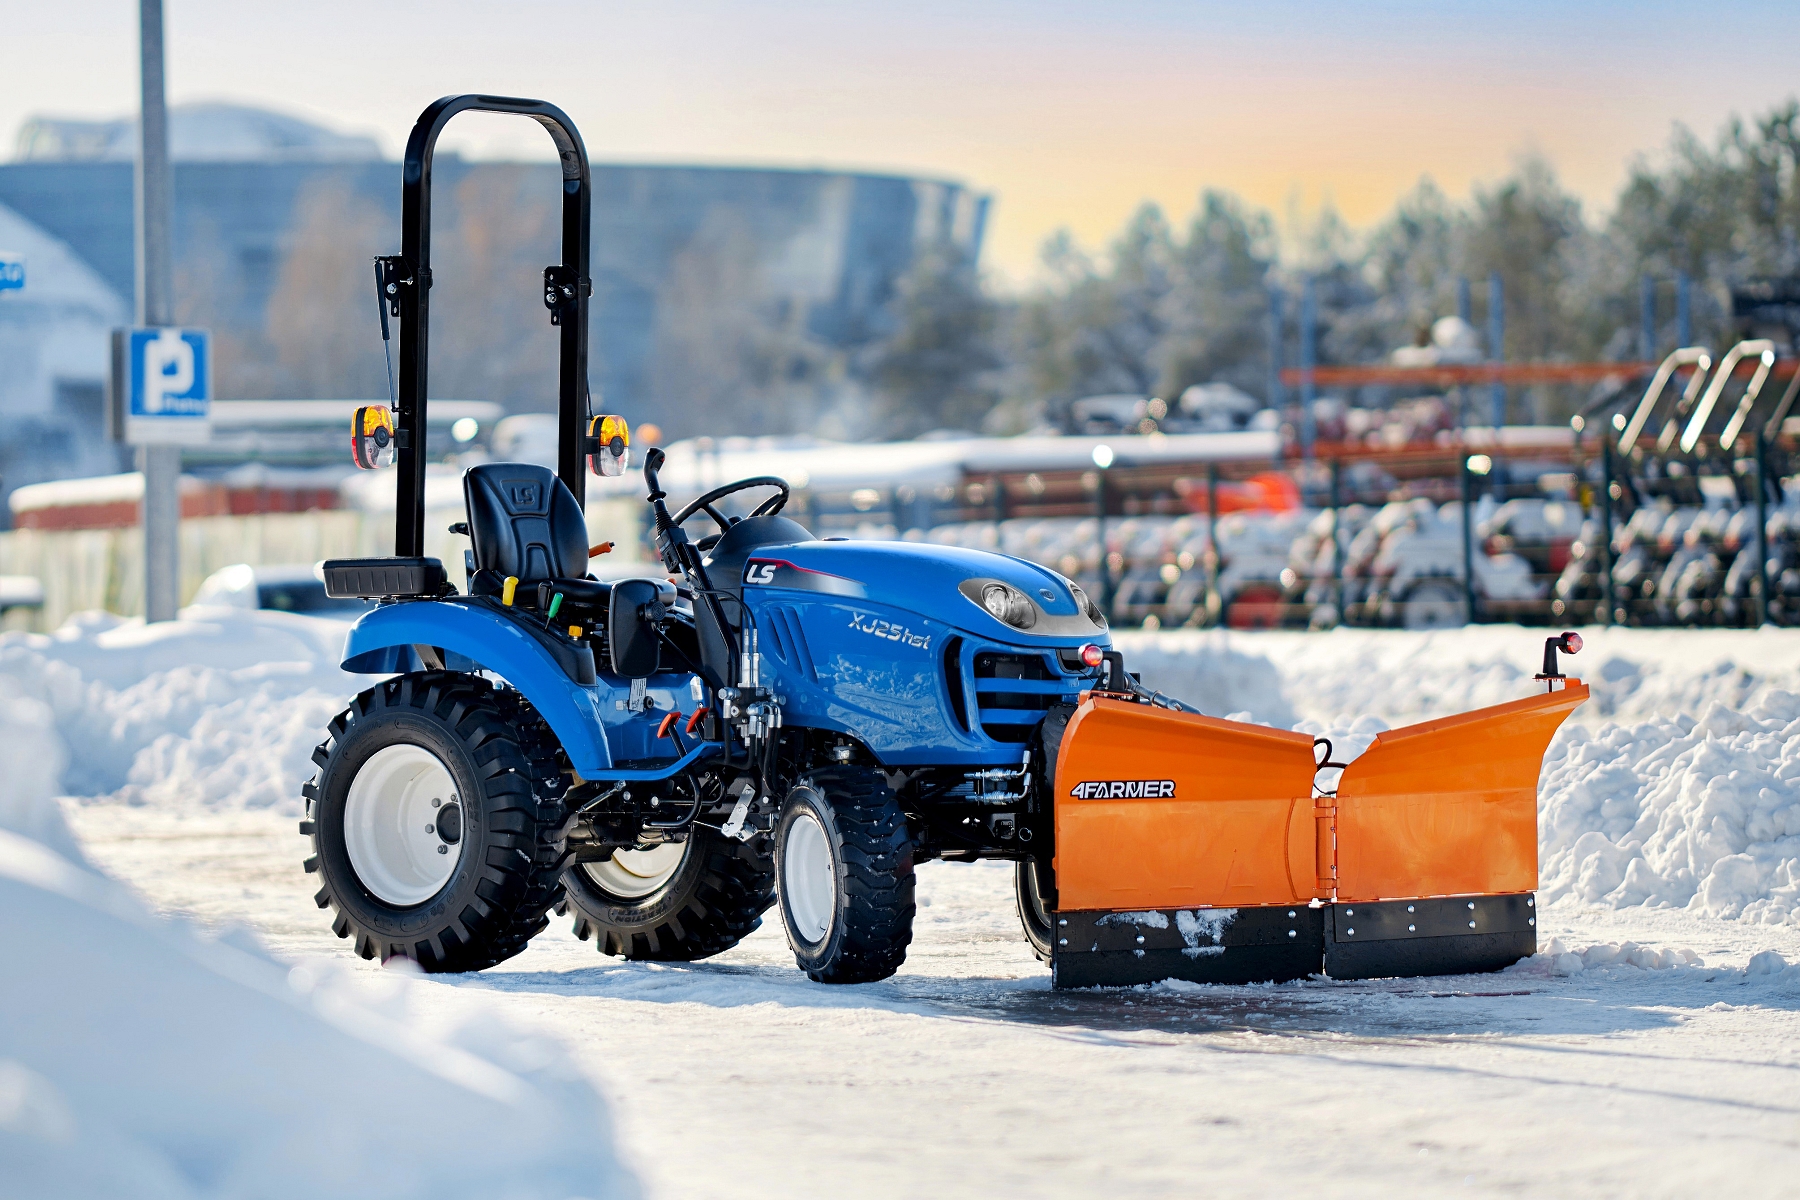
[(878, 907), (518, 758), (724, 907)]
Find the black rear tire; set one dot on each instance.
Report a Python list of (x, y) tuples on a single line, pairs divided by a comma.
[(863, 897), (502, 765), (1028, 889), (713, 901)]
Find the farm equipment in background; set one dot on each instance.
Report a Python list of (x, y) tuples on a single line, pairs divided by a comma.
[(781, 719), (1697, 527)]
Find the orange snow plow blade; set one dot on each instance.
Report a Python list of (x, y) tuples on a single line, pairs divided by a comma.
[(1194, 848), (1449, 807), (1172, 809)]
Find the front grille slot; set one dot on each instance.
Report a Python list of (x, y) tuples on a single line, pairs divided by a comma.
[(953, 679), (1013, 691), (791, 639)]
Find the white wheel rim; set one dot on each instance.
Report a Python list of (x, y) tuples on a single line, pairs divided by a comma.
[(808, 880), (391, 825), (631, 874)]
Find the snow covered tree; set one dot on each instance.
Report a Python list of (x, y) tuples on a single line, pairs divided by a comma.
[(935, 371)]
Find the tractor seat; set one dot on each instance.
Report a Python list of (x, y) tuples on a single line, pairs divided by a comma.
[(524, 522)]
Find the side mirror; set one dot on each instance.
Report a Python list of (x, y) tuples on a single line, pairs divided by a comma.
[(372, 438), (609, 446), (637, 608)]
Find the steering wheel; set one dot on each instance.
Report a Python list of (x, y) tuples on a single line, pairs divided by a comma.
[(767, 508)]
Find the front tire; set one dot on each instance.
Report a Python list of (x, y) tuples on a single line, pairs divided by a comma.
[(436, 821), (672, 903), (845, 868), (1034, 915)]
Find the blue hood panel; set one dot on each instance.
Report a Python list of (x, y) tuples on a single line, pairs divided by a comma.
[(922, 578)]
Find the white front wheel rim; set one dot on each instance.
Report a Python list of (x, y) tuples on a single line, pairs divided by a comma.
[(808, 879), (634, 874), (391, 825)]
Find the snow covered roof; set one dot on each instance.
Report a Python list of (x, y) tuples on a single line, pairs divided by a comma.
[(55, 276), (207, 132)]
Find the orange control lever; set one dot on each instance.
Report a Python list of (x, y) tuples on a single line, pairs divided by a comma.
[(699, 716), (662, 731), (602, 548)]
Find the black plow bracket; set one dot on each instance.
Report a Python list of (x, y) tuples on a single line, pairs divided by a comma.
[(1442, 935), (405, 281)]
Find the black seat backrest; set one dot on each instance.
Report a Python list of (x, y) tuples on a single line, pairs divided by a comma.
[(524, 522)]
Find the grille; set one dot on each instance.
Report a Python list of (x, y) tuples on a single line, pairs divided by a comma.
[(1013, 691), (790, 639)]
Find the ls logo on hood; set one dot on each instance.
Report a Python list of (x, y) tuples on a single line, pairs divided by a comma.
[(1124, 789)]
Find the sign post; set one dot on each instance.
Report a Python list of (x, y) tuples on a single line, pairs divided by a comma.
[(159, 461)]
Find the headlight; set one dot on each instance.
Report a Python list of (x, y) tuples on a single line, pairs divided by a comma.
[(1086, 605), (1008, 604)]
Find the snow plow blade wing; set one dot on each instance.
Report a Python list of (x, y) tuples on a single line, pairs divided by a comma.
[(1163, 809), (1186, 847), (1444, 809), (1193, 848)]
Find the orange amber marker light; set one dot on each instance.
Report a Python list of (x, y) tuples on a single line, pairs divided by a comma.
[(372, 439)]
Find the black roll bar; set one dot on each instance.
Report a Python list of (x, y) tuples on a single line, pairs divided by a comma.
[(406, 287)]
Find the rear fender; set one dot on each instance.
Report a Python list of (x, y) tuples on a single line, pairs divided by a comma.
[(473, 637)]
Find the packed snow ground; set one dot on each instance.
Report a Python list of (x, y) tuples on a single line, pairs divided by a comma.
[(1649, 1049)]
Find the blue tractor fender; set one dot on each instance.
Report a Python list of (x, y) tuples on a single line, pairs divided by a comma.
[(474, 637)]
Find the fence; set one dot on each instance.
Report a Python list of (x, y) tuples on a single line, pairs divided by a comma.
[(103, 569), (1418, 538)]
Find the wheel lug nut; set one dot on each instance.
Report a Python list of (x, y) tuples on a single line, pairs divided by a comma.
[(443, 849), (431, 829)]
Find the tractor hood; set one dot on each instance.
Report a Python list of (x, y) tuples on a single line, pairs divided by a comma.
[(943, 583)]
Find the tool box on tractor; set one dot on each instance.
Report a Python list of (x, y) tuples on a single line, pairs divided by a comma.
[(777, 718)]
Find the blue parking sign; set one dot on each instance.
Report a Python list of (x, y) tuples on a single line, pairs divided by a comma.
[(166, 381), (12, 272)]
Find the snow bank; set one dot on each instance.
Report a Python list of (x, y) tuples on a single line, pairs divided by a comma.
[(219, 710), (1699, 814), (137, 1058), (32, 770), (1404, 676), (1215, 671)]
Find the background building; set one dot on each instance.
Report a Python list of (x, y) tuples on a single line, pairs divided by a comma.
[(725, 299)]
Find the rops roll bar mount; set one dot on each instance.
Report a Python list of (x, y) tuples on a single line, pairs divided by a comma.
[(406, 286)]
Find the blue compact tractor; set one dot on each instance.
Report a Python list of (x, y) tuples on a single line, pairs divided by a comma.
[(779, 717), (775, 716)]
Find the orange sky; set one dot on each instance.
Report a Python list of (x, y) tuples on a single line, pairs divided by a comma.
[(1069, 113)]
